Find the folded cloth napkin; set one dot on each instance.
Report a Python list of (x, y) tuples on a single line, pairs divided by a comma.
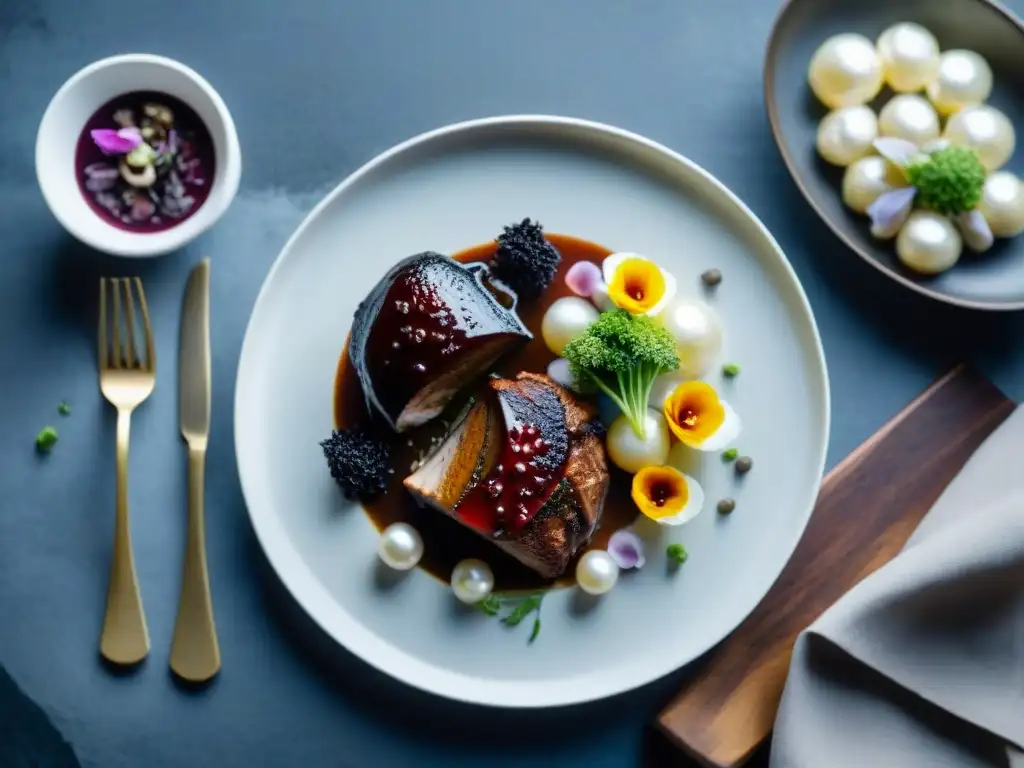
[(921, 665)]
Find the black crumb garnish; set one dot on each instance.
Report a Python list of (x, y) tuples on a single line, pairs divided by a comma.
[(359, 463), (525, 260)]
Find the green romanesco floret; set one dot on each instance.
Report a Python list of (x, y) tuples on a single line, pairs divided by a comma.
[(949, 181), (622, 355)]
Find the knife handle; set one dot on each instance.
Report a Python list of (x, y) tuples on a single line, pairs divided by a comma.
[(195, 654)]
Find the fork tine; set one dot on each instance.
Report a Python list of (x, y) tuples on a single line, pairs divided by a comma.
[(102, 340), (150, 348), (118, 353), (129, 323)]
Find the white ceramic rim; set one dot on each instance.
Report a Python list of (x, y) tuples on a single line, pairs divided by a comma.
[(348, 632), (226, 182)]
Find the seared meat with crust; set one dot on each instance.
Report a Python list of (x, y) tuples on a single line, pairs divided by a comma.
[(523, 467)]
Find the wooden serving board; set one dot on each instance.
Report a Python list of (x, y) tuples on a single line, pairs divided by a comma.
[(867, 508)]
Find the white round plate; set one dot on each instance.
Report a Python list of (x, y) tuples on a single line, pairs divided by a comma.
[(456, 187)]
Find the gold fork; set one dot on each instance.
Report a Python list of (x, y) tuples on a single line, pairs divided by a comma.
[(126, 379)]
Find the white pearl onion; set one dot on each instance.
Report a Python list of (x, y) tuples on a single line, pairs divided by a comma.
[(630, 452), (847, 134), (910, 57), (1002, 204), (596, 572), (697, 330), (565, 319), (400, 546), (987, 131), (472, 580), (911, 117), (929, 243), (866, 179), (964, 78), (845, 71)]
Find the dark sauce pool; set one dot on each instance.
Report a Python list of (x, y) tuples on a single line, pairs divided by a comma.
[(445, 541), (184, 178)]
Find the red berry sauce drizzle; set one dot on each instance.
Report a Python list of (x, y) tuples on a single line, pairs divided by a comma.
[(531, 464)]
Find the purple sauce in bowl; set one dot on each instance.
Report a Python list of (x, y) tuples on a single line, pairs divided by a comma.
[(131, 196), (147, 172)]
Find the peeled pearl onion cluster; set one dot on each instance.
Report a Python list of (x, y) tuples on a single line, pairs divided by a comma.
[(964, 78), (911, 117), (987, 131), (629, 451), (929, 243), (472, 580), (565, 319), (596, 572), (847, 134), (909, 55), (866, 179), (845, 71), (400, 546), (1002, 204)]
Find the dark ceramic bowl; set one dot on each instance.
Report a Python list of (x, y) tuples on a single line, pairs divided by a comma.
[(993, 280)]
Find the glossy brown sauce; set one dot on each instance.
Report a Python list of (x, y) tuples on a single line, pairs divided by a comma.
[(446, 542)]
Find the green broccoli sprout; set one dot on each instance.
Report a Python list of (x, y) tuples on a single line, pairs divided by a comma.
[(948, 181), (622, 355)]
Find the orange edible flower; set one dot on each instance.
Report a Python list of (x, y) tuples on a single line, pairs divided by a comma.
[(694, 412)]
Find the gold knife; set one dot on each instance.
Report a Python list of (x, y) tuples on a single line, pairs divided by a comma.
[(195, 655)]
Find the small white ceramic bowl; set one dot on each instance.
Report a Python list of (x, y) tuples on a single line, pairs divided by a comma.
[(69, 111)]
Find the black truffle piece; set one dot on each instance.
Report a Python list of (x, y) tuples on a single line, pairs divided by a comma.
[(359, 463), (525, 260)]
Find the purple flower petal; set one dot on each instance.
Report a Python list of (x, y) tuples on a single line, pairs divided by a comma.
[(558, 370), (975, 229), (583, 278), (890, 211), (131, 133), (112, 142), (898, 151), (626, 549)]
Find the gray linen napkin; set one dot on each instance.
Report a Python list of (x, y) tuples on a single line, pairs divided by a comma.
[(921, 665)]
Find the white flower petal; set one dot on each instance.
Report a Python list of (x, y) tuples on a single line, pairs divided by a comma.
[(726, 433), (692, 507), (975, 230), (612, 262), (898, 151), (670, 293), (890, 212)]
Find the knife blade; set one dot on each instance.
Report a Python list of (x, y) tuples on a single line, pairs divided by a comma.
[(194, 356), (195, 652)]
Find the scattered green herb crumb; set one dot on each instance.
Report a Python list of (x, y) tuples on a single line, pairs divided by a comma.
[(726, 506), (491, 605), (730, 455), (677, 554), (46, 439), (524, 609), (730, 370), (536, 629), (63, 408)]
